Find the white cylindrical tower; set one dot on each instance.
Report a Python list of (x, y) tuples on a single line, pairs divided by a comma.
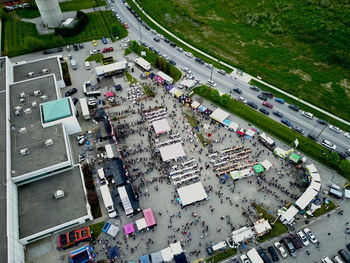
[(50, 12)]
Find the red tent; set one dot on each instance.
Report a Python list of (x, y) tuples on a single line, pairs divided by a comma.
[(109, 94), (240, 131)]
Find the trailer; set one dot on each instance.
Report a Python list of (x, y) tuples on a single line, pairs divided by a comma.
[(85, 108), (142, 63), (254, 256)]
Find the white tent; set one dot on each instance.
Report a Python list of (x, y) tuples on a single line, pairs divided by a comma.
[(233, 126), (111, 151), (144, 64), (141, 224), (305, 199), (242, 234), (161, 126), (311, 168), (192, 193), (315, 185), (288, 216), (167, 254), (195, 104), (250, 132), (189, 83), (219, 115), (347, 193), (176, 92), (261, 227), (280, 152), (266, 164), (316, 177), (172, 151), (111, 68), (165, 77), (176, 248)]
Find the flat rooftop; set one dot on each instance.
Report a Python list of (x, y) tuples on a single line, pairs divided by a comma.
[(34, 138), (40, 210), (3, 209), (20, 71)]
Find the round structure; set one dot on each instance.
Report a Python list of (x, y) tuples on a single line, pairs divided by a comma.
[(50, 12)]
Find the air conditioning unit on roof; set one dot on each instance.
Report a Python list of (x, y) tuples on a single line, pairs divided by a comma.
[(24, 152), (45, 70), (22, 130), (37, 92), (22, 94), (48, 142), (31, 74), (58, 194), (27, 110)]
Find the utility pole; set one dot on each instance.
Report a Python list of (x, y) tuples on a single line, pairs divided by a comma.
[(211, 73), (140, 33), (322, 129)]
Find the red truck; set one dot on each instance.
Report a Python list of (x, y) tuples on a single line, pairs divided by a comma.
[(74, 237), (107, 49)]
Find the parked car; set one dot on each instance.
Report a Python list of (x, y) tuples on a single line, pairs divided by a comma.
[(172, 62), (334, 128), (322, 122), (75, 47), (81, 45), (329, 145), (199, 60), (187, 70), (273, 254), (264, 111), (95, 51), (303, 238), (255, 88), (286, 122), (75, 100), (252, 104), (279, 100), (298, 129), (280, 249), (263, 255), (180, 49), (208, 65), (310, 235), (312, 136), (293, 107), (222, 72), (237, 90), (172, 44), (306, 114), (156, 39), (295, 240), (290, 247), (244, 259), (344, 255), (267, 94), (166, 40), (347, 135), (107, 49), (68, 47), (70, 92), (262, 97), (189, 54), (94, 42), (277, 113), (337, 259), (243, 100), (211, 83), (267, 104)]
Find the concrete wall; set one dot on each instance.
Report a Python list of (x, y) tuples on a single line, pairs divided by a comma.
[(50, 12)]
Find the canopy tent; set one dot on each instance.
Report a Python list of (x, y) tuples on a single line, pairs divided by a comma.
[(250, 133), (306, 198), (151, 75), (311, 168), (167, 254), (176, 248), (242, 234), (156, 257), (195, 104), (129, 229), (189, 83), (219, 115), (161, 126), (144, 64), (191, 193), (158, 79), (236, 175), (266, 164), (288, 216), (144, 258), (233, 126), (202, 108), (261, 227), (172, 151), (176, 92), (226, 122), (346, 193), (280, 152), (165, 77), (113, 252), (109, 94), (258, 169), (110, 229), (141, 224), (169, 87), (110, 69), (315, 185), (295, 158), (240, 131), (149, 217), (316, 177), (181, 258)]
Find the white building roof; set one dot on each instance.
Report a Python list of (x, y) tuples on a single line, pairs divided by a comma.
[(172, 151), (161, 126), (219, 115), (165, 77), (120, 65), (195, 104), (315, 185), (242, 234), (141, 224), (311, 168), (316, 177), (266, 164), (188, 83), (192, 193), (262, 226), (143, 63)]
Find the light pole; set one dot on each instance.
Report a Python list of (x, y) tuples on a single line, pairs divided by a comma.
[(211, 73), (140, 33), (322, 129)]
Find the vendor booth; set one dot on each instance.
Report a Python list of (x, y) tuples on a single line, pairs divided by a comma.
[(191, 194)]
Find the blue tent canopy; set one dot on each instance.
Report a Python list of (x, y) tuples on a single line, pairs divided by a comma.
[(113, 252), (144, 258)]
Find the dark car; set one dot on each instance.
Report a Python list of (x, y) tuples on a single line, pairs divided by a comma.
[(237, 90), (342, 155), (262, 97), (290, 247), (252, 104), (144, 44), (293, 107), (81, 45), (344, 255), (348, 246), (312, 136), (273, 254), (234, 260), (147, 27), (255, 88), (166, 40), (70, 92), (267, 94), (75, 47), (265, 111), (322, 122), (263, 255), (295, 240), (157, 39), (172, 62), (104, 40), (75, 100), (298, 129), (286, 122), (172, 44), (152, 48), (277, 113), (199, 60)]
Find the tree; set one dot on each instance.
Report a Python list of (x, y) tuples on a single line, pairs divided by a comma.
[(115, 31), (157, 63), (167, 68)]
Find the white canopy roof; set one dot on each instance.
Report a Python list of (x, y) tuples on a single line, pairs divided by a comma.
[(305, 199), (315, 185), (176, 248), (111, 67), (311, 168), (192, 193), (219, 115), (188, 83), (280, 152), (141, 224), (161, 126), (233, 126), (316, 177), (288, 216), (266, 164), (195, 104), (167, 254), (242, 234), (143, 63), (165, 77), (262, 226), (176, 92), (347, 193), (267, 138), (172, 151)]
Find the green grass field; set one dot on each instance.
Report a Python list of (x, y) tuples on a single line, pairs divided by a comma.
[(19, 36), (299, 46)]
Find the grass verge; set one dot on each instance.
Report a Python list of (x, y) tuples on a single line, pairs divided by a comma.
[(278, 130), (148, 91), (96, 229), (277, 228), (325, 208), (95, 57), (221, 255), (304, 107), (154, 59), (130, 78), (191, 120)]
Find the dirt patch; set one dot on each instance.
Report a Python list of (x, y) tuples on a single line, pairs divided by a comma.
[(168, 18), (327, 86), (304, 76), (346, 84)]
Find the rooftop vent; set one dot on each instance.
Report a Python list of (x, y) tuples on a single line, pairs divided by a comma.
[(48, 142), (31, 74), (34, 104), (37, 92), (45, 71), (44, 97), (22, 94), (58, 193), (27, 110), (17, 113), (24, 152), (22, 130), (18, 108)]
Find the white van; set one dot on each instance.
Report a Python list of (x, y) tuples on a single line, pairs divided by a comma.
[(102, 176), (87, 65), (326, 260), (219, 246)]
